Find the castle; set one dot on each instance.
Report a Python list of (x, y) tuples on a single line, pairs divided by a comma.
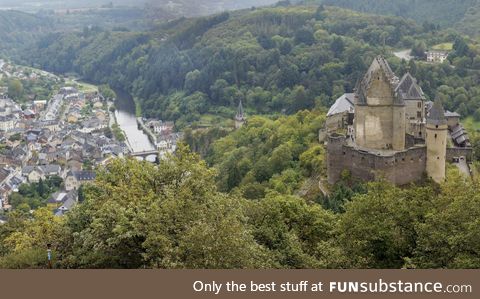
[(387, 129)]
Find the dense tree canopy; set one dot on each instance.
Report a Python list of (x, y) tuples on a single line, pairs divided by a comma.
[(138, 215)]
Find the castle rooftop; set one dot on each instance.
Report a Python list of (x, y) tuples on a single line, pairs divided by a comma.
[(436, 116)]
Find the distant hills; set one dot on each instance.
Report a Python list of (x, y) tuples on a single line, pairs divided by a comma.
[(185, 7), (205, 7), (460, 14), (19, 28)]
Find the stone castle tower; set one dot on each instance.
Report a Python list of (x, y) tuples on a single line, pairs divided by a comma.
[(240, 118), (436, 141), (380, 121)]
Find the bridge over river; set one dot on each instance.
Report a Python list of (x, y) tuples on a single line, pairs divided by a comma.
[(150, 156)]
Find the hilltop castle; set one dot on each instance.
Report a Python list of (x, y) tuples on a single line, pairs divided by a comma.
[(387, 129)]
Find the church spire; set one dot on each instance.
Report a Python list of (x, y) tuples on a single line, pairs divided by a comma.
[(240, 113), (240, 117)]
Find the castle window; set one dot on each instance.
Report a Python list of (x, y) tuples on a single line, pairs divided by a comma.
[(436, 126), (435, 135), (438, 158), (420, 134), (344, 153), (419, 104), (419, 114)]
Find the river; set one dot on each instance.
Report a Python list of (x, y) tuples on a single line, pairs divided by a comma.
[(126, 119)]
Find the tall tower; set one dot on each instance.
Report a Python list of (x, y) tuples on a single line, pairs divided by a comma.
[(379, 114), (436, 140), (240, 118)]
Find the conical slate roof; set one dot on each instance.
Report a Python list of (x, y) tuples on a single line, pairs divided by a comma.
[(436, 116)]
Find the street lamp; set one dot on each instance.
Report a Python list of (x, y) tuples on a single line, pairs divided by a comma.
[(49, 255)]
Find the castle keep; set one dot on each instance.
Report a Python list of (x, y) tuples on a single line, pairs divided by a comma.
[(387, 129)]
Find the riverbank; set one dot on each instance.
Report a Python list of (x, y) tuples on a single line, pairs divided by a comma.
[(138, 107), (126, 117), (147, 131)]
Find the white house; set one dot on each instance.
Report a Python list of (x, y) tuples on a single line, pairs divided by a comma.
[(436, 56)]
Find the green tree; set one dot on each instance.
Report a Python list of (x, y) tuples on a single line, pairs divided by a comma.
[(15, 89), (136, 215)]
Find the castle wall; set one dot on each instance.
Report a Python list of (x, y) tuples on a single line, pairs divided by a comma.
[(399, 128), (401, 168), (374, 126), (416, 129), (414, 110), (466, 152), (336, 121), (335, 163), (380, 92)]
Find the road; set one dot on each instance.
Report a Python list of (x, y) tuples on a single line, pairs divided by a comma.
[(463, 166), (404, 54)]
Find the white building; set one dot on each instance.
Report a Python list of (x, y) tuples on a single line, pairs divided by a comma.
[(436, 56), (7, 123)]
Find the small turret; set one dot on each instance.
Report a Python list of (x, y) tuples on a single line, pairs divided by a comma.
[(240, 118), (436, 141)]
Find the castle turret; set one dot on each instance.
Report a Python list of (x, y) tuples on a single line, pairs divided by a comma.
[(240, 116), (436, 141)]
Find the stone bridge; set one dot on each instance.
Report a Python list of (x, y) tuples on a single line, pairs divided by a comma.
[(151, 156)]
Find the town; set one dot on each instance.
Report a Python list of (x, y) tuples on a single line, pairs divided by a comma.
[(60, 142)]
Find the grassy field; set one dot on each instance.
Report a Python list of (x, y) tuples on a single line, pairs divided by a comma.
[(210, 120), (443, 47), (471, 124), (81, 86)]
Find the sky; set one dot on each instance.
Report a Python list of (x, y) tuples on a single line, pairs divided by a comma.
[(83, 3), (214, 5), (59, 4)]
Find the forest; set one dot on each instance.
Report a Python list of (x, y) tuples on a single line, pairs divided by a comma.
[(173, 216), (442, 13), (276, 60)]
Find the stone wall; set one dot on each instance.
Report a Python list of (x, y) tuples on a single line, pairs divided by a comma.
[(374, 126), (466, 152), (335, 164), (400, 168)]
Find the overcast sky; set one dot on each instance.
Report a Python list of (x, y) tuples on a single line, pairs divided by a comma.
[(34, 5)]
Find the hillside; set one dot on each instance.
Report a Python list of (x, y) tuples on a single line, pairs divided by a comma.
[(470, 24), (19, 28), (207, 7), (445, 13), (280, 59), (275, 59)]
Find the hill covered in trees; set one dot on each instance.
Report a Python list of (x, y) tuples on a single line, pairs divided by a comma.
[(277, 60), (445, 13), (19, 28)]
